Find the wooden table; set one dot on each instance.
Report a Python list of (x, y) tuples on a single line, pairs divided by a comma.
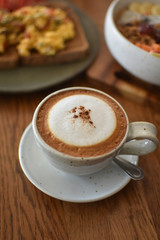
[(27, 213)]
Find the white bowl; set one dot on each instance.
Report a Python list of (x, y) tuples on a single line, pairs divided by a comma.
[(135, 60)]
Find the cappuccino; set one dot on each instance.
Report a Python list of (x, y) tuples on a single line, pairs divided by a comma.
[(81, 122)]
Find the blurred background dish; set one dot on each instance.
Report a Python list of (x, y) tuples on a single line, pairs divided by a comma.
[(135, 60), (26, 78)]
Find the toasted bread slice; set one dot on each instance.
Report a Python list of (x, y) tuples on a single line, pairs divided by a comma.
[(75, 49), (10, 59)]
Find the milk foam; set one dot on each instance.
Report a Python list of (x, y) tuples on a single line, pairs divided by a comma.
[(81, 120)]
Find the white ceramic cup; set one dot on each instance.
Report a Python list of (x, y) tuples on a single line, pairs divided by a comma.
[(140, 139)]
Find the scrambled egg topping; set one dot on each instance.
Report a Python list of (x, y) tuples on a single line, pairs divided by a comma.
[(38, 28)]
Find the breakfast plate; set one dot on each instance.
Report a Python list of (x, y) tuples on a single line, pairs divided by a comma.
[(26, 78), (64, 186)]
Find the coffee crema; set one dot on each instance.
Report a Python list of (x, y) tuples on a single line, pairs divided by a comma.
[(81, 123)]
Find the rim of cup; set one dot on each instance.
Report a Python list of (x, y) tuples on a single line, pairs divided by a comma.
[(60, 154)]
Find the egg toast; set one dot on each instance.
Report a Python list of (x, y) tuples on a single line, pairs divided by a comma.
[(10, 59), (75, 49)]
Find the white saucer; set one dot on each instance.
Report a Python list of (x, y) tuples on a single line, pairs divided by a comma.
[(65, 186)]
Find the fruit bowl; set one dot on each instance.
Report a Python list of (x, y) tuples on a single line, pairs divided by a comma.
[(138, 62)]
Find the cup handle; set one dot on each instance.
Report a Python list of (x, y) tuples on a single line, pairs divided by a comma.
[(141, 139)]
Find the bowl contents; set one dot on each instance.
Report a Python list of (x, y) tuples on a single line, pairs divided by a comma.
[(35, 28), (140, 24)]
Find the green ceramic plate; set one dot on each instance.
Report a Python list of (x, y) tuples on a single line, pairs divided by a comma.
[(25, 79)]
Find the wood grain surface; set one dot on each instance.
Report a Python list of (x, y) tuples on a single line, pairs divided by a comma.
[(27, 214)]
